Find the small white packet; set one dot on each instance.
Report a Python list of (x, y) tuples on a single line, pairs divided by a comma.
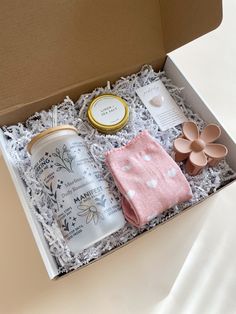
[(161, 105)]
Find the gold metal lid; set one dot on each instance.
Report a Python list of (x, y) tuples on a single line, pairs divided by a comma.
[(108, 113), (47, 132)]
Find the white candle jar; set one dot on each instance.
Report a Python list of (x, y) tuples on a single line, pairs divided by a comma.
[(84, 207)]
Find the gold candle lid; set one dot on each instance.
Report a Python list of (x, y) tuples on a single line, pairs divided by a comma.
[(47, 132), (108, 113)]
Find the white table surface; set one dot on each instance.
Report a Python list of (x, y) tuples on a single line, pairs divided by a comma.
[(187, 265)]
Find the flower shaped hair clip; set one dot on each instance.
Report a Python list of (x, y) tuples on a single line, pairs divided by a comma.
[(198, 148)]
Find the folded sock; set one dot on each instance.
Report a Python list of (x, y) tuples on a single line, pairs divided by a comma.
[(148, 178)]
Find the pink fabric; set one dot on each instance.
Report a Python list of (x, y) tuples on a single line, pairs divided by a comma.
[(148, 178)]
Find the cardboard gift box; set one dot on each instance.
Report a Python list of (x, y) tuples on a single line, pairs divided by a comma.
[(57, 48)]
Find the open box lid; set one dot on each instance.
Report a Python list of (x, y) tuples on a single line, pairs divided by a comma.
[(50, 49)]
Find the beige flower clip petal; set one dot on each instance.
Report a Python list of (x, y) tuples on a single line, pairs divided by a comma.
[(210, 133), (190, 130), (182, 145), (197, 149)]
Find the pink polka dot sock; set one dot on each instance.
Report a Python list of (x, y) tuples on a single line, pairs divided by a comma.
[(148, 178)]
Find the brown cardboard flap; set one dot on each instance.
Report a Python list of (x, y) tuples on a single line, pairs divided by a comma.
[(185, 20), (49, 49)]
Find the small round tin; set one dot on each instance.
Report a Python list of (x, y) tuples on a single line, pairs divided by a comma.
[(108, 113)]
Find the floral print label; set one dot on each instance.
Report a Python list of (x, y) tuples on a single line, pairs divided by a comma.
[(85, 208)]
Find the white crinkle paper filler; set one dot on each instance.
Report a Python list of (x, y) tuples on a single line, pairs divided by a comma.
[(75, 114)]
